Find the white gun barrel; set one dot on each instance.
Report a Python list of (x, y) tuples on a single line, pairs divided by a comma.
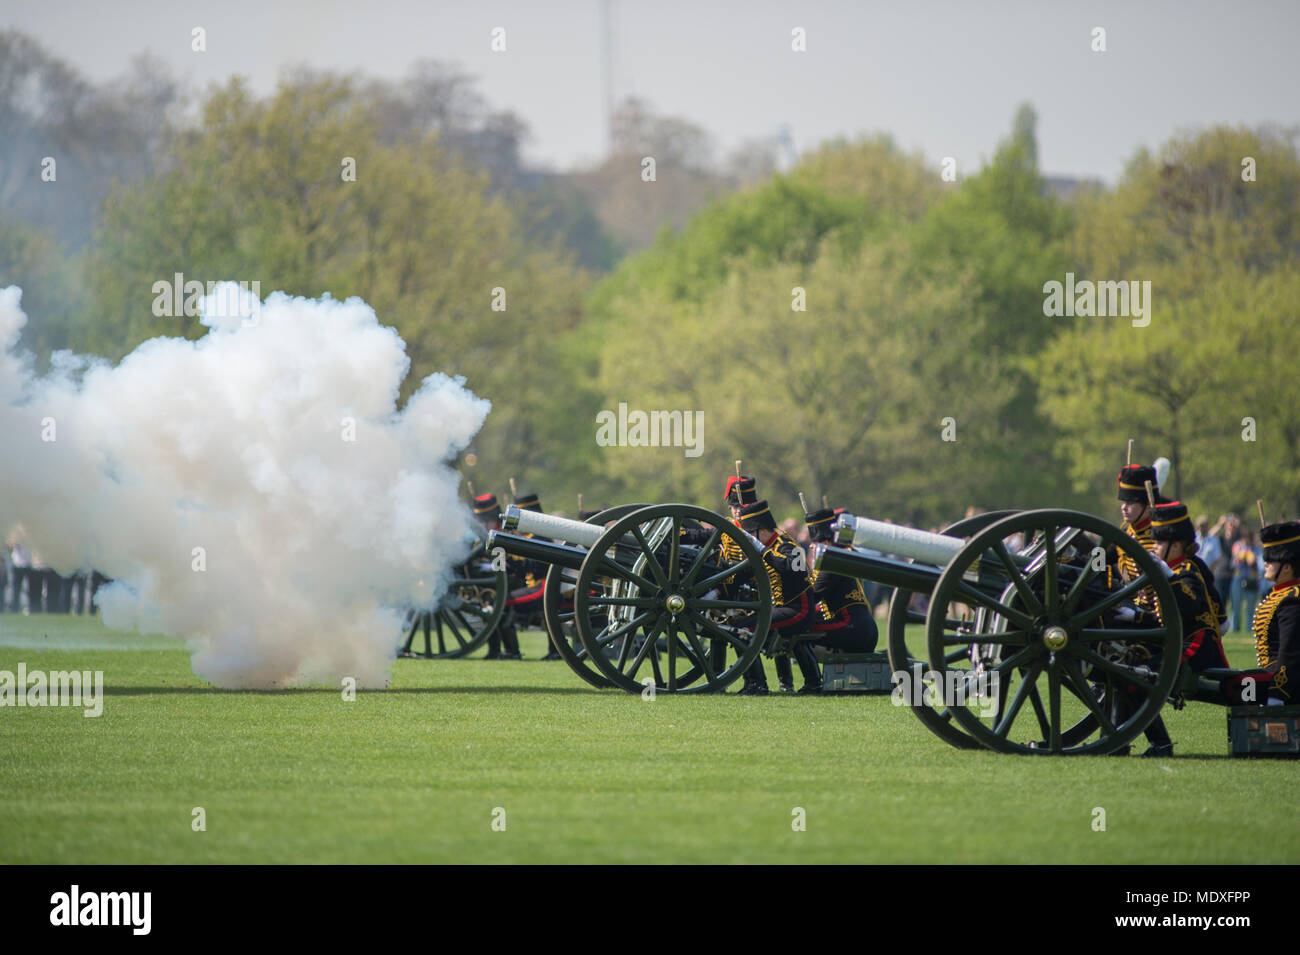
[(517, 521), (904, 541), (936, 549)]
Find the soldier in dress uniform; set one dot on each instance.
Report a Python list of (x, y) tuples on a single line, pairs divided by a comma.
[(1193, 587), (525, 578), (1277, 618), (1135, 512), (841, 611), (786, 567)]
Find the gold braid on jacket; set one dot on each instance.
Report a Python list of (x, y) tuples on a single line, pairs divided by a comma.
[(1264, 619), (1129, 568)]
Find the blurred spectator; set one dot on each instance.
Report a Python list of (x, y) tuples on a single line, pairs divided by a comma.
[(1202, 531), (1218, 552), (36, 584), (21, 563), (1247, 569)]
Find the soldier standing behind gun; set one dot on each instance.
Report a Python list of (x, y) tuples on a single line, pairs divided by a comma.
[(1135, 511)]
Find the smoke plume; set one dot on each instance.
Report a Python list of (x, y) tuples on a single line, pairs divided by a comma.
[(255, 492)]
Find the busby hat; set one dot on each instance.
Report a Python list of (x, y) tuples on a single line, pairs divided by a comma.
[(1281, 542), (757, 517), (528, 502), (1132, 482), (1169, 522), (819, 524), (486, 506), (741, 490)]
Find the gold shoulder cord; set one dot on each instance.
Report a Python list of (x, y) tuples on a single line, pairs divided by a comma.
[(1264, 619)]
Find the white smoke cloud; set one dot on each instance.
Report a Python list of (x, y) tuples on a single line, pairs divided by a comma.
[(236, 443)]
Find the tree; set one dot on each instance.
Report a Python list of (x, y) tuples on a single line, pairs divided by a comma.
[(1220, 252), (258, 193)]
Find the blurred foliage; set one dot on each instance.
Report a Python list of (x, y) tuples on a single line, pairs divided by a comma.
[(924, 299), (1223, 258), (257, 194)]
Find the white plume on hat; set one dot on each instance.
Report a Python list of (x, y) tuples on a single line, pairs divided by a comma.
[(1162, 467)]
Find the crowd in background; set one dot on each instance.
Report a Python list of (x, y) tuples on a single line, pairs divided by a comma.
[(28, 586), (1232, 551)]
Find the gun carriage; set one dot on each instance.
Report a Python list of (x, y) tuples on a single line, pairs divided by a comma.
[(1029, 637), (467, 613)]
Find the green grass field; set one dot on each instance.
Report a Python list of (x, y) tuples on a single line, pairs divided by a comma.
[(414, 774)]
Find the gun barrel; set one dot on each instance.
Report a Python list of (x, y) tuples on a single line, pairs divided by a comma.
[(918, 578), (548, 525), (532, 548), (935, 549)]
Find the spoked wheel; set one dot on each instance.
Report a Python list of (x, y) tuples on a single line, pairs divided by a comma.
[(640, 585), (557, 605), (1058, 671), (465, 616), (918, 693)]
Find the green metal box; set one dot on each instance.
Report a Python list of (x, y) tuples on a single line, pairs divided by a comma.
[(856, 673), (1264, 731)]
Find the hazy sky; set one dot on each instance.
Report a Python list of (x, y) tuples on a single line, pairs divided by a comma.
[(943, 77)]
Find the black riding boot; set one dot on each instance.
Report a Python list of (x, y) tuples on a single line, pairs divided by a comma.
[(784, 674), (755, 680), (812, 674)]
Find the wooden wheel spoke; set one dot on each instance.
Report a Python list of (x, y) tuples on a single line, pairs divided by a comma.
[(674, 549), (688, 579), (1117, 670), (1094, 634), (655, 570), (705, 663), (1017, 578), (1040, 712), (620, 572), (731, 638), (1017, 659), (1111, 600), (718, 579), (1051, 587), (1003, 726), (977, 596), (649, 647), (1078, 588), (607, 636), (1083, 691), (1054, 706), (671, 631), (1015, 638), (623, 601), (725, 604)]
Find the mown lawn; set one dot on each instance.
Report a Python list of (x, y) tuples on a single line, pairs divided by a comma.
[(418, 772)]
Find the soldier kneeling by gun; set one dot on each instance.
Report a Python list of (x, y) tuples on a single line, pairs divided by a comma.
[(787, 574), (842, 615)]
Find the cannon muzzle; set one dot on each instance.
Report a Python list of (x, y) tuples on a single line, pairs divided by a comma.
[(518, 521), (532, 548)]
